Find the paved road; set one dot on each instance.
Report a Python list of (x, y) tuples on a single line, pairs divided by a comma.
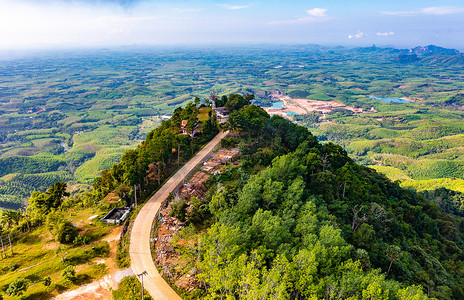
[(139, 250)]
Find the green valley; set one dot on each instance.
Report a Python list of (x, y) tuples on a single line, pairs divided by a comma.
[(68, 115)]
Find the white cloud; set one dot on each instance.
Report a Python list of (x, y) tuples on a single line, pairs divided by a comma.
[(388, 33), (315, 15), (358, 35), (233, 7), (124, 19), (434, 10), (317, 12)]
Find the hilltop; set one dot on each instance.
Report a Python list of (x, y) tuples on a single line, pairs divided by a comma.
[(292, 218)]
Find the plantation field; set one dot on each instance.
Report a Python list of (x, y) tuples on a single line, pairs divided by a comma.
[(67, 115), (418, 144)]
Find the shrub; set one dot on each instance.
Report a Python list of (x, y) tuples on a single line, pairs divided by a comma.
[(65, 232), (81, 240), (229, 142), (47, 281), (13, 267), (69, 274), (101, 249), (179, 209), (17, 287)]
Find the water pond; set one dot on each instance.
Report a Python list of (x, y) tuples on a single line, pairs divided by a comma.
[(278, 104), (291, 113), (390, 100)]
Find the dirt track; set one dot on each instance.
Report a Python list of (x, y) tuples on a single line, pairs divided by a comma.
[(139, 250)]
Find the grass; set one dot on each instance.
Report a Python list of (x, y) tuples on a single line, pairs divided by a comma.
[(130, 288), (203, 114)]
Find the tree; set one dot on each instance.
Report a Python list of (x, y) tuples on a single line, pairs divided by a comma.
[(219, 247), (236, 101), (374, 291), (251, 119), (47, 281), (17, 287), (61, 251), (394, 254), (40, 204), (197, 102), (69, 274), (179, 209), (65, 232), (11, 218), (412, 293), (55, 194)]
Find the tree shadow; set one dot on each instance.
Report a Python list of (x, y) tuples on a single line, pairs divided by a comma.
[(60, 288), (82, 279), (39, 296), (33, 278)]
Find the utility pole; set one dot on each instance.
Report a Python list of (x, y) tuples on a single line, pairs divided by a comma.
[(11, 245), (141, 275), (135, 195), (178, 153), (3, 247)]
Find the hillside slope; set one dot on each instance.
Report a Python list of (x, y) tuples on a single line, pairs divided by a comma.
[(297, 219)]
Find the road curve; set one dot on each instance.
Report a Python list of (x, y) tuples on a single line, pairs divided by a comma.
[(139, 249)]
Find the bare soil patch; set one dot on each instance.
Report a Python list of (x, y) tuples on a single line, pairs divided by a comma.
[(101, 289), (305, 106)]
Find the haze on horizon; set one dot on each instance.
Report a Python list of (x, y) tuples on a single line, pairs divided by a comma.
[(30, 24)]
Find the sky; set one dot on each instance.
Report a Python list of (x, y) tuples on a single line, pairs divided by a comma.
[(30, 24)]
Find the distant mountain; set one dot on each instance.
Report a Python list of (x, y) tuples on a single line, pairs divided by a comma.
[(430, 54), (419, 50), (433, 50), (444, 60), (378, 50), (407, 58)]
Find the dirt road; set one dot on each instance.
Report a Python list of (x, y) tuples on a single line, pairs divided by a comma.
[(139, 250)]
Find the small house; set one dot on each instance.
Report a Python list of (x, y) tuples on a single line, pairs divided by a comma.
[(222, 114), (183, 126)]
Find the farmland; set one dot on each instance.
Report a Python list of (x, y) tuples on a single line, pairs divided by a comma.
[(68, 115)]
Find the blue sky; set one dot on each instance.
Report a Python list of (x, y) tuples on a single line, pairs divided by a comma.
[(103, 23)]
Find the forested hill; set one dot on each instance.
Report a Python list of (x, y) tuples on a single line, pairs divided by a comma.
[(427, 55), (298, 219)]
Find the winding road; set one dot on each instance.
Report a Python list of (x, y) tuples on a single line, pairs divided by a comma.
[(139, 249)]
